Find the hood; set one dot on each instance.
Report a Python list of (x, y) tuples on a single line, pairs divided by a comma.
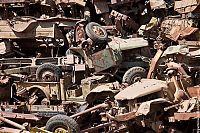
[(103, 91), (142, 88), (126, 44)]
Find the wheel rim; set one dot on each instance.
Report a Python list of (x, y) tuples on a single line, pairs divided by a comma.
[(63, 130), (48, 76), (135, 79), (98, 30)]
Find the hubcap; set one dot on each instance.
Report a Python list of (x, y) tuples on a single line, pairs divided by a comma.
[(136, 79), (48, 76), (98, 30), (62, 130)]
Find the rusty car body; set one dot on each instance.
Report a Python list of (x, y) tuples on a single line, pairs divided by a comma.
[(59, 68)]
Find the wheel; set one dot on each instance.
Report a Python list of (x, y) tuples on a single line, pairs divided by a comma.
[(35, 96), (48, 73), (96, 32), (62, 124), (133, 75)]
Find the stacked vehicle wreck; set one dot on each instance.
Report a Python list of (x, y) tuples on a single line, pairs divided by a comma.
[(122, 66)]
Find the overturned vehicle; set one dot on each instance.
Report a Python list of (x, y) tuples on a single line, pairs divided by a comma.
[(86, 57)]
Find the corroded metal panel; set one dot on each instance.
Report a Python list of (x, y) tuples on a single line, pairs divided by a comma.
[(103, 59), (13, 1), (186, 6), (142, 88)]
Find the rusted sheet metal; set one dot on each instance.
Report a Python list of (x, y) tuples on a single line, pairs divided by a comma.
[(194, 91), (122, 117), (60, 61), (43, 108), (103, 59), (179, 49), (21, 26), (179, 32), (173, 28), (108, 89), (168, 23), (90, 83), (145, 107), (19, 116), (186, 6), (35, 28), (13, 1), (190, 43), (177, 66), (11, 130), (43, 29), (154, 63), (12, 123), (79, 2), (186, 116), (15, 70), (141, 88), (157, 4), (122, 22), (125, 117), (48, 88), (60, 20), (126, 44)]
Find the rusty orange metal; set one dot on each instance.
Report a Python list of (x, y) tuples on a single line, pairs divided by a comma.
[(186, 116), (186, 6), (13, 1), (194, 91), (19, 116)]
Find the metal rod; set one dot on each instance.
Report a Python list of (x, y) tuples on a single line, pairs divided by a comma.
[(12, 123), (97, 127), (103, 105)]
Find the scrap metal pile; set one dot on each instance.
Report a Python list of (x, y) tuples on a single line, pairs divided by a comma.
[(100, 66)]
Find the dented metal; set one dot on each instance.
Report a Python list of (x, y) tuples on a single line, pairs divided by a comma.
[(55, 60)]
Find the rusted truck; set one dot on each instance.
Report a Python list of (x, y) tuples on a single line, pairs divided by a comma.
[(87, 52), (53, 55), (149, 105)]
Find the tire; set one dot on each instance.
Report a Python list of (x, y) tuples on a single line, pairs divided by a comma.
[(62, 122), (93, 35), (48, 73), (133, 75)]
